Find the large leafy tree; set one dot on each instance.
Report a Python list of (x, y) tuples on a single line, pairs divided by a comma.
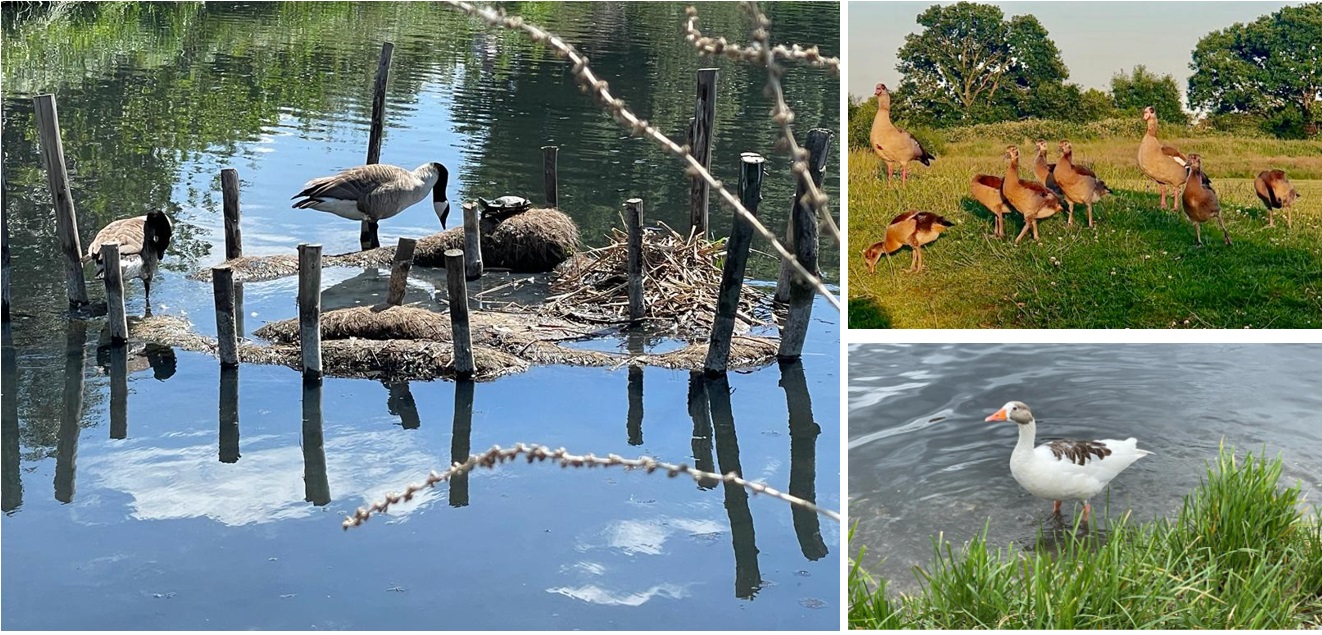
[(1271, 67), (971, 65), (1142, 88)]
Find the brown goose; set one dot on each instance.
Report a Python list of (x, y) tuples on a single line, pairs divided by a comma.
[(1033, 200), (1077, 183), (911, 228), (142, 243), (1276, 192), (986, 189), (1200, 201), (892, 145), (1044, 171), (376, 192), (1162, 163)]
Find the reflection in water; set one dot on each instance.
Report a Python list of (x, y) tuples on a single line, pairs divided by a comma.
[(11, 466), (803, 459), (747, 574), (66, 447), (700, 412), (635, 421), (229, 414), (119, 390), (401, 404), (238, 310), (316, 485), (461, 441)]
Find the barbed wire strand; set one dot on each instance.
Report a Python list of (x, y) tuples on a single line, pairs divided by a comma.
[(621, 113), (720, 46), (498, 455)]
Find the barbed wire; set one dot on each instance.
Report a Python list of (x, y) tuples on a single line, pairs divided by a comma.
[(721, 46), (498, 455), (589, 82)]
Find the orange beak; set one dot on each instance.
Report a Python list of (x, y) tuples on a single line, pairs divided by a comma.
[(999, 415)]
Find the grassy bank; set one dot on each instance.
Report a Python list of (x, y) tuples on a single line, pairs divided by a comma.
[(1240, 554), (1139, 269)]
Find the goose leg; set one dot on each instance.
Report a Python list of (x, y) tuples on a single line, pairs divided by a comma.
[(367, 238), (1198, 232), (1271, 217), (1055, 508), (1070, 221), (1224, 233), (904, 173), (1087, 509), (919, 251), (1022, 232), (1090, 216), (913, 261), (1289, 220), (1035, 236)]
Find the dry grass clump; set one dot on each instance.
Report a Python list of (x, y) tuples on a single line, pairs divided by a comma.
[(532, 241), (745, 352)]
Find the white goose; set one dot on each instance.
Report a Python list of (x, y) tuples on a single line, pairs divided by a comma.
[(1064, 470), (375, 192)]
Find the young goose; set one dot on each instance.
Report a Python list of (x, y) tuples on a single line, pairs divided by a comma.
[(1276, 192), (1045, 171), (986, 189), (1064, 470), (1033, 200), (1160, 162), (142, 243), (892, 145), (911, 228), (1077, 183), (1200, 201), (376, 192)]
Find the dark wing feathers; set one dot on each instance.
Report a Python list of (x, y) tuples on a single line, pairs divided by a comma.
[(353, 184), (1078, 452)]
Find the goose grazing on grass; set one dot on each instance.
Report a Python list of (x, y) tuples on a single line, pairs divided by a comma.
[(912, 228), (142, 243), (373, 193), (1276, 192), (1064, 470)]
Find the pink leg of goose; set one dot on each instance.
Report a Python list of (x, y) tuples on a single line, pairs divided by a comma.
[(1055, 508)]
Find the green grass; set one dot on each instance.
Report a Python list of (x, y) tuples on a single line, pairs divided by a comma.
[(1139, 269), (1240, 554)]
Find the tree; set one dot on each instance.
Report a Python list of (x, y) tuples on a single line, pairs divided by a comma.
[(1142, 88), (1271, 67), (971, 65)]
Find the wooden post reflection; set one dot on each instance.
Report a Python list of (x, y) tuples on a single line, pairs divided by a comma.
[(747, 574), (316, 486), (401, 404), (119, 391), (11, 464), (700, 412), (462, 439), (66, 446), (238, 310), (803, 459), (634, 425), (229, 414)]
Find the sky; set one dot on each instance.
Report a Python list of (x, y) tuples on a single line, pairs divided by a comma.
[(1096, 39)]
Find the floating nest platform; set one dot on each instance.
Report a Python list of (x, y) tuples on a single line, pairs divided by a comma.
[(533, 241)]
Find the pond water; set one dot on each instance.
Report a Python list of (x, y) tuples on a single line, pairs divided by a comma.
[(924, 463), (153, 491)]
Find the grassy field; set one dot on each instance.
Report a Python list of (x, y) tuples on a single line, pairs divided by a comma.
[(1240, 554), (1139, 269)]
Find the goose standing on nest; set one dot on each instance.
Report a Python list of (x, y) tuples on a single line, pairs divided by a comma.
[(1077, 183), (1160, 162), (986, 189), (373, 193), (1200, 200), (1276, 192), (1064, 470), (912, 228), (892, 145), (1033, 200), (142, 243)]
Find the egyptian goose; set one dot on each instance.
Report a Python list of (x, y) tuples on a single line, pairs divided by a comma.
[(375, 192), (1200, 200), (1162, 163), (912, 228), (1077, 183), (986, 189), (142, 243), (1043, 170), (1276, 192), (1033, 200), (894, 146), (1064, 470)]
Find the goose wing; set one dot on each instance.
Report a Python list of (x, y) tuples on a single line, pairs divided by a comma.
[(125, 231), (354, 184)]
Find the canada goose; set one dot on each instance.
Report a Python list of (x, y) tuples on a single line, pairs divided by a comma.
[(912, 228), (894, 146), (1200, 200), (1077, 183), (153, 230), (1029, 198), (1276, 192), (375, 192), (1162, 163)]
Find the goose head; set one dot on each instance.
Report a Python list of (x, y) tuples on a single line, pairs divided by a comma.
[(161, 232), (1011, 153), (883, 97), (1066, 147), (1149, 113), (1016, 411), (1041, 146), (440, 204)]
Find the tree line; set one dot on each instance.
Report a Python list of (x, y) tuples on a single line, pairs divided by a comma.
[(972, 65)]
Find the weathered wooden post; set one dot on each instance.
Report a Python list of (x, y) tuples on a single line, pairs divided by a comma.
[(4, 255), (11, 461), (633, 220), (461, 440), (700, 136), (119, 392), (227, 337), (228, 442), (399, 272), (736, 260), (66, 444), (66, 220), (700, 413), (316, 483), (803, 459), (634, 423), (367, 238), (472, 243), (119, 328), (229, 189), (747, 572), (817, 145), (549, 179), (309, 310), (795, 330), (462, 339)]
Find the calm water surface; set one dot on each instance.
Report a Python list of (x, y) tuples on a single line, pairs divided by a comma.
[(923, 462), (172, 496)]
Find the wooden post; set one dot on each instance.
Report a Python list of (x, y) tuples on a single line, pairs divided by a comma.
[(228, 442), (747, 572), (399, 272), (229, 189), (11, 455), (119, 392), (549, 179), (736, 260), (782, 294), (462, 339), (309, 310), (119, 328), (634, 422), (700, 136), (4, 255), (472, 243), (316, 483), (379, 104), (461, 440), (795, 330), (700, 412), (633, 220), (227, 337), (818, 144), (66, 219), (71, 416), (803, 459)]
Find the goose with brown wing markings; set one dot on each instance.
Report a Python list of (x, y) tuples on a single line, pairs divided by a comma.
[(912, 228), (142, 243), (1276, 192), (1033, 200), (375, 192)]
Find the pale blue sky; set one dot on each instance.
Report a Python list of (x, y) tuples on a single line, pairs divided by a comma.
[(1095, 39)]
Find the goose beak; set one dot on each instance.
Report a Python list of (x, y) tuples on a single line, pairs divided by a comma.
[(999, 415)]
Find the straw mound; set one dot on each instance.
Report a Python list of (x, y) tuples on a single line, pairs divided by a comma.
[(380, 322), (681, 278), (258, 268), (745, 352)]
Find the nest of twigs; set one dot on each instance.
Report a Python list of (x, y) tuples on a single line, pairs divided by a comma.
[(681, 279), (532, 241)]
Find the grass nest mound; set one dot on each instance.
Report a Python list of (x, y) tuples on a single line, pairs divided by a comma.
[(532, 241), (681, 279)]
